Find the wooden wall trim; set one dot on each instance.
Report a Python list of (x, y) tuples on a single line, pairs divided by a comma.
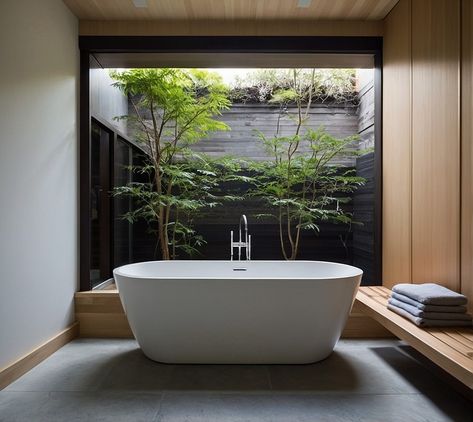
[(16, 369), (467, 152), (232, 27)]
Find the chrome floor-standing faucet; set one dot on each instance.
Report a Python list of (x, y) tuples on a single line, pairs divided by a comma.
[(246, 243)]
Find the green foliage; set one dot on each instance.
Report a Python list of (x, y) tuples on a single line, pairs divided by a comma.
[(302, 187), (302, 190), (196, 187), (182, 106), (266, 85), (173, 108)]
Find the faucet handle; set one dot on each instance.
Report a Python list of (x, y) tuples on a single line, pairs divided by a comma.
[(248, 248)]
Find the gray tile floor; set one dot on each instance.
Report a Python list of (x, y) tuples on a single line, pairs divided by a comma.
[(111, 380)]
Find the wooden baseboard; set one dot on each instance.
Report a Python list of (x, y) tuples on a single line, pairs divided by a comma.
[(15, 370), (100, 314)]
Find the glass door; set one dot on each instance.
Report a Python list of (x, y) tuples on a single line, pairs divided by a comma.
[(101, 140)]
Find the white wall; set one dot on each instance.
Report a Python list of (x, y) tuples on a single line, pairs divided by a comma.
[(38, 172)]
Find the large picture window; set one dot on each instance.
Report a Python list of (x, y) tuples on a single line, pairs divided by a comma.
[(109, 239)]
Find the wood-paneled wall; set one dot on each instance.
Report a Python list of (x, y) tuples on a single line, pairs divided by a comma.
[(467, 151), (427, 152), (397, 146), (436, 142)]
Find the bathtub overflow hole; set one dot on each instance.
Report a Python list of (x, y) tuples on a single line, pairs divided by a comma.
[(239, 269)]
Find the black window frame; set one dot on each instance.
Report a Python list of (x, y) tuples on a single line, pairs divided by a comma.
[(90, 45)]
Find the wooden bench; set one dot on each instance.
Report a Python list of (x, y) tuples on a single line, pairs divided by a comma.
[(449, 348)]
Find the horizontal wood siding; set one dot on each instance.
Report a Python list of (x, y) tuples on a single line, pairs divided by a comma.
[(246, 120)]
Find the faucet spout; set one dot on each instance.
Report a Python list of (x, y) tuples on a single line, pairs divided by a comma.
[(243, 220), (244, 242)]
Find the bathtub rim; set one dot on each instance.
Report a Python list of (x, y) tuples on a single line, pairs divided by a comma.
[(357, 272)]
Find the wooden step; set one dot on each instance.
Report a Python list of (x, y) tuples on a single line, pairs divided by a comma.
[(100, 314)]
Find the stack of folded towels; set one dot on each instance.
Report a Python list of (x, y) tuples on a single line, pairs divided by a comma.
[(430, 305)]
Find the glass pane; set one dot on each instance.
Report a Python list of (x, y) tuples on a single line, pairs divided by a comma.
[(99, 200), (143, 240), (122, 232), (95, 206)]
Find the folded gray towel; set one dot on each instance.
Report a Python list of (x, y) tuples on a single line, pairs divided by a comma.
[(429, 308), (429, 315), (430, 294), (425, 322)]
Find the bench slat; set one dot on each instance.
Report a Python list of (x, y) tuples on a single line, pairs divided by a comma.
[(381, 291), (452, 342), (443, 347), (457, 336), (468, 334)]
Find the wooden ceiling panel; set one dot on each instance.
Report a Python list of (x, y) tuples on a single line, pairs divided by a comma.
[(231, 9)]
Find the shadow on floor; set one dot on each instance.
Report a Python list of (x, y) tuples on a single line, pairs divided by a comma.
[(132, 370), (423, 378)]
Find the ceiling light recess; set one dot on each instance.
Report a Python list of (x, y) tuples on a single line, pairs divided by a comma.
[(140, 3), (303, 3)]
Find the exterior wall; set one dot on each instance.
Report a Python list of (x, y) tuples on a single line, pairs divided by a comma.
[(245, 120), (364, 198), (334, 241), (106, 101), (363, 212), (365, 80), (38, 169)]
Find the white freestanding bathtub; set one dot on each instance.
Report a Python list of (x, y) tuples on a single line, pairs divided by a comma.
[(237, 311)]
